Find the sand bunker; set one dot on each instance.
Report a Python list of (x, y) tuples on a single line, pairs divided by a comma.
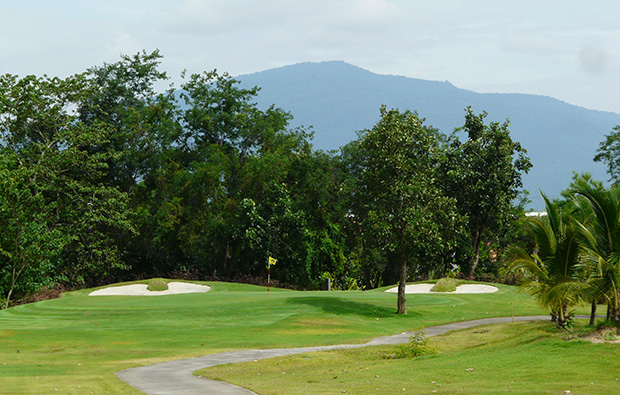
[(140, 290), (461, 289)]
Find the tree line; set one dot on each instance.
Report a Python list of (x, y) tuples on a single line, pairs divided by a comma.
[(104, 178), (575, 259)]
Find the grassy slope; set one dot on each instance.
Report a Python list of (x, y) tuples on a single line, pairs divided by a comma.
[(75, 343), (524, 358)]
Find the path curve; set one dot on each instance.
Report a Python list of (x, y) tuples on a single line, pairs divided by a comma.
[(176, 377)]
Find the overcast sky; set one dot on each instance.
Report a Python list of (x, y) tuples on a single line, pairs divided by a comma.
[(566, 49)]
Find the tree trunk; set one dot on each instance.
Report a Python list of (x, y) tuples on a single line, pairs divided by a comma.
[(613, 308), (476, 246), (7, 302), (608, 316), (615, 314), (593, 313), (226, 253), (14, 275), (402, 308), (562, 317), (563, 313)]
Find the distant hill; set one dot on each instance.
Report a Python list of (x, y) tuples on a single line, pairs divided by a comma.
[(337, 99)]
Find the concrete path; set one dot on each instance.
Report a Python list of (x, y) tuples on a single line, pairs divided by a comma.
[(176, 377)]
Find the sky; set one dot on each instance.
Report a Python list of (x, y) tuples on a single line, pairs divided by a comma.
[(565, 49)]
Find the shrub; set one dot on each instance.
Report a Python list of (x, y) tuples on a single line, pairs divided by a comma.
[(445, 285), (157, 285), (418, 345), (568, 325)]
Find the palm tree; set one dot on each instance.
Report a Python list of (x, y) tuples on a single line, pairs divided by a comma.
[(601, 240), (553, 269)]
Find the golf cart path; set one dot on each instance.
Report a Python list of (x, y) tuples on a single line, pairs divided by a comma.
[(176, 377)]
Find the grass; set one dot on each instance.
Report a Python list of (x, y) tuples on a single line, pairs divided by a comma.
[(445, 285), (157, 285), (523, 358), (75, 344)]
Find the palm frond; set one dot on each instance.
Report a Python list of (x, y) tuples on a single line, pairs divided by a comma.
[(521, 261)]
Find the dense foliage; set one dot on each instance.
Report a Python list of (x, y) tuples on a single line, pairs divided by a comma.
[(575, 259), (394, 194), (609, 153), (104, 178), (483, 175)]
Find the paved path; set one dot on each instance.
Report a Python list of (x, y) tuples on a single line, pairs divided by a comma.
[(176, 377)]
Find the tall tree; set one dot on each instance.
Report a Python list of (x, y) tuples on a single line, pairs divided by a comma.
[(553, 269), (142, 122), (576, 208), (601, 238), (608, 152), (394, 193), (29, 241), (58, 208), (230, 172), (483, 173)]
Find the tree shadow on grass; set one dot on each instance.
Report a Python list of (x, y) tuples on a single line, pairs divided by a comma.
[(339, 306)]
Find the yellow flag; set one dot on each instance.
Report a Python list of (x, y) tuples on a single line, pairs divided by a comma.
[(272, 261)]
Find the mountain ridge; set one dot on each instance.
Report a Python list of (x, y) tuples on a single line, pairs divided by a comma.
[(336, 99)]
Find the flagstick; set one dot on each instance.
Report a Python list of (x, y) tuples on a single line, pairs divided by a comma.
[(270, 262)]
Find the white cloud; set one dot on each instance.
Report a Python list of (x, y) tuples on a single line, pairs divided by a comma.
[(538, 44), (593, 60), (526, 43), (369, 12)]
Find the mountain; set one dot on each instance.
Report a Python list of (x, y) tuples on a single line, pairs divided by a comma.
[(337, 99)]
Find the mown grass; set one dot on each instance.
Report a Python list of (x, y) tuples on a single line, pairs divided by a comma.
[(75, 344), (524, 358)]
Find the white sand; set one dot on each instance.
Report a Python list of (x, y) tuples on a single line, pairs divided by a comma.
[(140, 290), (461, 289)]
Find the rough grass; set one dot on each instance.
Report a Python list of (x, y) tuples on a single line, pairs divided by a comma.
[(157, 285), (524, 358), (75, 343), (445, 285)]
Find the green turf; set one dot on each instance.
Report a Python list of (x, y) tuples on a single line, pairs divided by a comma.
[(524, 358), (80, 341)]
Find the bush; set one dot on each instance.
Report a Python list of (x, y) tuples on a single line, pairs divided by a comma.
[(445, 285), (418, 345), (45, 293), (157, 285)]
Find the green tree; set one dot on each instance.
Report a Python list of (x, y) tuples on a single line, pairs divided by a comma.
[(29, 242), (194, 211), (608, 152), (601, 239), (394, 194), (141, 151), (577, 208), (59, 210), (273, 228), (483, 173), (142, 122), (314, 180), (553, 269)]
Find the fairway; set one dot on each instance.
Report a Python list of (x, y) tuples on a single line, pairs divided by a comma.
[(521, 358), (73, 345)]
